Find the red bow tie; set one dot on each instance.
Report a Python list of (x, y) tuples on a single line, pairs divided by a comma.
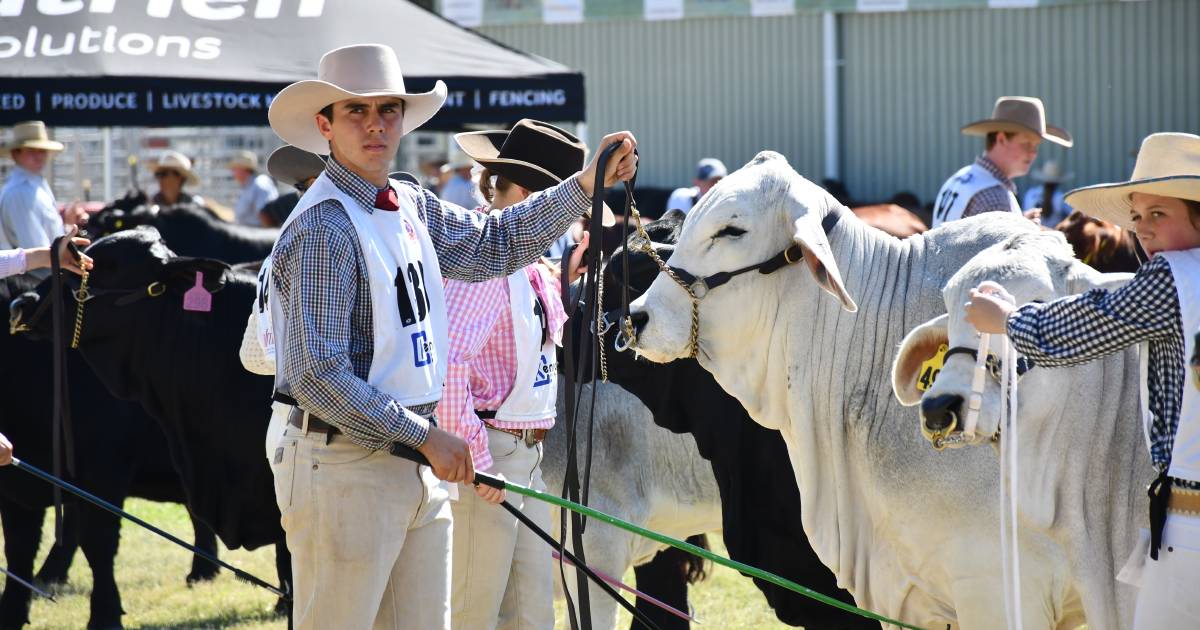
[(387, 199)]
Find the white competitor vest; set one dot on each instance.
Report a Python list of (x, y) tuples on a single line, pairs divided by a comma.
[(958, 191), (535, 388), (408, 306), (1185, 456)]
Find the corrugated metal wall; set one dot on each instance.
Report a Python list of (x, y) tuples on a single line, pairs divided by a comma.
[(1108, 73), (728, 87), (688, 89)]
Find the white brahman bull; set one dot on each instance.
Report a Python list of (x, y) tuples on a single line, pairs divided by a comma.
[(1082, 462), (907, 530)]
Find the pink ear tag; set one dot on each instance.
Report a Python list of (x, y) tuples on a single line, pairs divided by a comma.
[(198, 298)]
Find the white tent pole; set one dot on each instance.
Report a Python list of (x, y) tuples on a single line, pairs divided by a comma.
[(106, 133), (832, 93)]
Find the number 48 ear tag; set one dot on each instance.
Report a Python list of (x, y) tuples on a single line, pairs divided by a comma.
[(198, 298), (930, 368)]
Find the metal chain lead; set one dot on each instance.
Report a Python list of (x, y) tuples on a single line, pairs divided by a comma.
[(81, 296), (648, 247)]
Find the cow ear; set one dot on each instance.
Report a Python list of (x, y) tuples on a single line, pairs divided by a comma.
[(180, 272), (811, 238), (1082, 278), (918, 346)]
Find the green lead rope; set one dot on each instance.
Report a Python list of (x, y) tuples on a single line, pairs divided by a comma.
[(688, 547), (400, 450)]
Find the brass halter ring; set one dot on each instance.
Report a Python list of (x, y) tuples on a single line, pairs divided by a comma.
[(83, 296)]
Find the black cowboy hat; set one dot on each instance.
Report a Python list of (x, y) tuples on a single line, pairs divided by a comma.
[(534, 155)]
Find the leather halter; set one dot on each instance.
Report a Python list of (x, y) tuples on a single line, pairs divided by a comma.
[(1024, 364), (697, 287)]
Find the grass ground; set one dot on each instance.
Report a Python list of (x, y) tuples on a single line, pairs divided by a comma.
[(150, 573)]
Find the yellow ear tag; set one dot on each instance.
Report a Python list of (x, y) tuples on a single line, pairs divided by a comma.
[(931, 367)]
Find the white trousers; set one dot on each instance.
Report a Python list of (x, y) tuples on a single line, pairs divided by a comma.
[(1169, 598), (503, 573), (369, 533)]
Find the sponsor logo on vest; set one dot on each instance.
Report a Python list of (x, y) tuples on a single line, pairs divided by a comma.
[(410, 231), (545, 371), (423, 352)]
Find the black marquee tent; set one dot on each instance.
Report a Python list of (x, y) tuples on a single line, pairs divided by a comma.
[(220, 62)]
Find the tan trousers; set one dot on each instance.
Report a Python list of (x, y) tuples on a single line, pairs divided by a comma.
[(369, 535), (503, 573), (1167, 599)]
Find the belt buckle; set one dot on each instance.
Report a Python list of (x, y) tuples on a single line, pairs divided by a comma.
[(528, 436)]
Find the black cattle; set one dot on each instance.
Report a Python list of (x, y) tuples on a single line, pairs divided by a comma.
[(183, 367), (190, 230), (119, 452), (760, 501)]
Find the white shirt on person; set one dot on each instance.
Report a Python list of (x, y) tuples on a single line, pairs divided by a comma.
[(255, 194), (28, 213), (683, 199)]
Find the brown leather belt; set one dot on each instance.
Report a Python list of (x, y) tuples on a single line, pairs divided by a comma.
[(315, 424), (531, 437), (1184, 501)]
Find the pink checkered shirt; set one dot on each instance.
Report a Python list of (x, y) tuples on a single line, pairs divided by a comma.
[(483, 362)]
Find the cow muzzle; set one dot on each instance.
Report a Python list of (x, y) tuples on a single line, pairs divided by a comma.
[(23, 313), (940, 420)]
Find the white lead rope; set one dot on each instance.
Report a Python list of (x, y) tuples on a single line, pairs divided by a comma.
[(1010, 550)]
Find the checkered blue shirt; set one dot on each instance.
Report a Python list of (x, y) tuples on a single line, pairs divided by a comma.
[(321, 279), (995, 198), (1080, 328)]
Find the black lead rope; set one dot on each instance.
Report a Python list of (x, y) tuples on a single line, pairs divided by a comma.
[(97, 501), (62, 437), (411, 454), (586, 311)]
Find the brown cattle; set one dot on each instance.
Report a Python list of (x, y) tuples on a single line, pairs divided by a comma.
[(1102, 245), (891, 218)]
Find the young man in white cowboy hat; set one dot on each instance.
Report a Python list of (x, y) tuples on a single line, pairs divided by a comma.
[(28, 213), (1160, 307), (257, 188), (1050, 177), (173, 170), (1014, 131), (356, 319)]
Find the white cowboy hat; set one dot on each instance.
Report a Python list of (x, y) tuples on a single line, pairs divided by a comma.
[(243, 159), (1019, 113), (1051, 172), (175, 161), (30, 135), (1168, 164), (457, 160), (362, 70)]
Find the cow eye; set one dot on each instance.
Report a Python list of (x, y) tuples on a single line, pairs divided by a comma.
[(730, 230)]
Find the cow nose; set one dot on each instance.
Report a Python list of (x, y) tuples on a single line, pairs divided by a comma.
[(940, 413), (639, 319), (19, 311)]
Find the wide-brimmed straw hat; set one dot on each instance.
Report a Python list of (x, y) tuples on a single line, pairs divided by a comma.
[(1051, 172), (364, 70), (533, 154), (293, 165), (1168, 164), (175, 161), (243, 159), (1019, 113), (30, 135)]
